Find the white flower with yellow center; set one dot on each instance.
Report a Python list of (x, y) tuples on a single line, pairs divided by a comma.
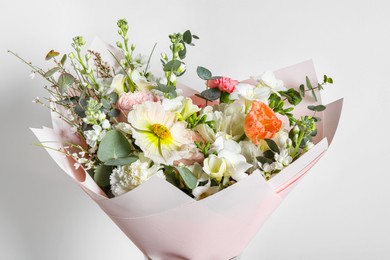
[(158, 133)]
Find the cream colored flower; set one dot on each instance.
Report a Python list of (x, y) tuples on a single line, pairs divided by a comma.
[(158, 133), (126, 178)]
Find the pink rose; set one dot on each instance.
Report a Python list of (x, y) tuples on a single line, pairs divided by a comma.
[(224, 84), (128, 100)]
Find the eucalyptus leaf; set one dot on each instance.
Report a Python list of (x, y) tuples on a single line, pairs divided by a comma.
[(114, 113), (302, 90), (102, 175), (211, 94), (113, 98), (204, 73), (188, 177), (65, 81), (317, 108), (172, 65), (122, 161), (106, 104), (272, 145), (195, 37), (308, 83), (293, 96), (313, 93), (187, 37), (114, 145), (183, 52), (51, 72)]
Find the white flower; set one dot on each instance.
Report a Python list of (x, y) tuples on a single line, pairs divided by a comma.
[(229, 151), (174, 104), (197, 170), (202, 192), (250, 151), (188, 108), (117, 84), (139, 80), (123, 127), (250, 92), (126, 178), (237, 165), (32, 75), (94, 136), (282, 159), (158, 133), (215, 167), (227, 118), (268, 79), (106, 124)]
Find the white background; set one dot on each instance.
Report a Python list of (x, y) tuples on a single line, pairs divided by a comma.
[(341, 210)]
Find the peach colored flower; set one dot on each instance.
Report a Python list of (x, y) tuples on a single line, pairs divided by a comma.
[(224, 84), (128, 100), (261, 122)]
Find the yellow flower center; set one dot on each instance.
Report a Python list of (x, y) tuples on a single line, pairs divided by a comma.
[(161, 131)]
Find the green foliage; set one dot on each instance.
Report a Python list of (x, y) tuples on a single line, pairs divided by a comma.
[(51, 54), (51, 72), (293, 96), (172, 65), (114, 113), (277, 105), (317, 108), (113, 146), (102, 175), (263, 160), (272, 145), (204, 73), (187, 37), (63, 60), (211, 94), (170, 91), (310, 87), (188, 177), (122, 161), (65, 81)]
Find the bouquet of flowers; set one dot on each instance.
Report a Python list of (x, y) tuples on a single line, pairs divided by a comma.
[(164, 161)]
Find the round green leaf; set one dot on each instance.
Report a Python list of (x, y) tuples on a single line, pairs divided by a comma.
[(188, 177), (203, 73), (102, 175), (113, 146)]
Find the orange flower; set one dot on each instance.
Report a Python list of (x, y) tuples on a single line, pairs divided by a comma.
[(261, 122)]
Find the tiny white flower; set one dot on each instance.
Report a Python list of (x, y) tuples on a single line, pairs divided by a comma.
[(283, 158), (32, 75), (106, 124)]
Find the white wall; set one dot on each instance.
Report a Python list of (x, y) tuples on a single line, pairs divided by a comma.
[(341, 210)]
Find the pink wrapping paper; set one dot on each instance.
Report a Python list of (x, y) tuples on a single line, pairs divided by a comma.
[(165, 223)]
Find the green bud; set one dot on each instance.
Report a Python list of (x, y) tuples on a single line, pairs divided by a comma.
[(133, 47), (79, 41), (122, 23), (71, 55)]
